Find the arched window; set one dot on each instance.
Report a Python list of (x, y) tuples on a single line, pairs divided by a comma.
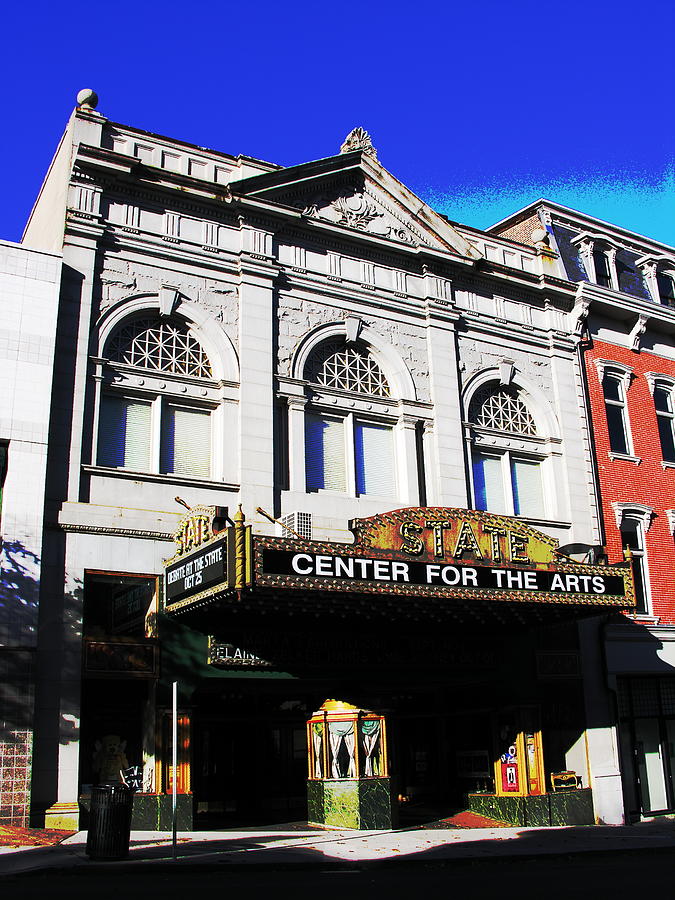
[(347, 449), (347, 367), (507, 473), (501, 408), (147, 424), (161, 344)]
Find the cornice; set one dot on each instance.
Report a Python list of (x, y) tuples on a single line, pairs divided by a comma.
[(112, 531)]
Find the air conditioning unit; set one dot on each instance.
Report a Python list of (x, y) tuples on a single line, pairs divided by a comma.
[(296, 523)]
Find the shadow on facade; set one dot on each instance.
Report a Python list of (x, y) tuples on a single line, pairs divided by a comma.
[(19, 601)]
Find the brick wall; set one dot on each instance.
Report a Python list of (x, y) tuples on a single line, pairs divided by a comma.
[(521, 231), (646, 482), (16, 735)]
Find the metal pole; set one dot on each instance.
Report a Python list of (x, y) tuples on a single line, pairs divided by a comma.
[(174, 765)]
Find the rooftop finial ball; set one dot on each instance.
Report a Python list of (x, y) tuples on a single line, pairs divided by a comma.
[(87, 97)]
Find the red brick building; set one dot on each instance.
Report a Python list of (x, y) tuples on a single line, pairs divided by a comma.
[(625, 320)]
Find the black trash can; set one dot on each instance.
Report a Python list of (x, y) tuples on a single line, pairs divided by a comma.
[(109, 821)]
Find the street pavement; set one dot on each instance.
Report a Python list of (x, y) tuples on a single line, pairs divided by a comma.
[(298, 846)]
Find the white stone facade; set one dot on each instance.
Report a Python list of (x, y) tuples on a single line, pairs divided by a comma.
[(29, 289), (263, 265)]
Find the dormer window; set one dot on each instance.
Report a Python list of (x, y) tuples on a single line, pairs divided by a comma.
[(601, 264), (665, 283), (598, 253)]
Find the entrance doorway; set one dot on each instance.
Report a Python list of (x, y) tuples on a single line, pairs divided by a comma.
[(647, 714)]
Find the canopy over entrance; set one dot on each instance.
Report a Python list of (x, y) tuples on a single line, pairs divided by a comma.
[(417, 566)]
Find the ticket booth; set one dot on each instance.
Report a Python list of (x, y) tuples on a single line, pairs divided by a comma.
[(519, 766), (348, 782)]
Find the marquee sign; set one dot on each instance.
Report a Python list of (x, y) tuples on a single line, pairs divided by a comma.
[(196, 571), (440, 552), (202, 562)]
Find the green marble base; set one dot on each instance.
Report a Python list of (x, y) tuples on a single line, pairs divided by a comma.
[(349, 803), (565, 808), (151, 812)]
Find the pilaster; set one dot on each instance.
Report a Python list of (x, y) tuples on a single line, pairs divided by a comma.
[(257, 270), (446, 475)]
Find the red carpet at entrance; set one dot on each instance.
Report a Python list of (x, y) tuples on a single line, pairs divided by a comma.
[(467, 819), (14, 836)]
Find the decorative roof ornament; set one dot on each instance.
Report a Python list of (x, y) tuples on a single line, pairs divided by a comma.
[(358, 139), (87, 99)]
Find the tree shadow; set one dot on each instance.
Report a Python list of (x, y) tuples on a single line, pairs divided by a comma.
[(19, 604)]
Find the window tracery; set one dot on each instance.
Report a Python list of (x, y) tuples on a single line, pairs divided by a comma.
[(347, 367), (501, 408), (162, 345)]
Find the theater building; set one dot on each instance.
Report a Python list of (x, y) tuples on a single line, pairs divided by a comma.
[(396, 405), (626, 308)]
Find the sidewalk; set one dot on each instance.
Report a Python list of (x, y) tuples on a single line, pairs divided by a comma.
[(297, 845)]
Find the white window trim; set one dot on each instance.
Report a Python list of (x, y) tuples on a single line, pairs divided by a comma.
[(651, 266), (624, 375), (643, 515), (671, 520), (626, 372), (507, 455), (157, 403), (587, 243), (667, 382), (654, 378), (349, 419), (640, 511)]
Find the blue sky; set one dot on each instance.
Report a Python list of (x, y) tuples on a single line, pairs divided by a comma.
[(479, 108)]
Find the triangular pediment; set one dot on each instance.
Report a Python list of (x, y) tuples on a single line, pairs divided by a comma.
[(354, 191)]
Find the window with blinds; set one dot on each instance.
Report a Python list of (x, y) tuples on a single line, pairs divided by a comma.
[(125, 429), (328, 465), (373, 459), (527, 489), (324, 453), (506, 484), (149, 431), (488, 483), (185, 441)]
